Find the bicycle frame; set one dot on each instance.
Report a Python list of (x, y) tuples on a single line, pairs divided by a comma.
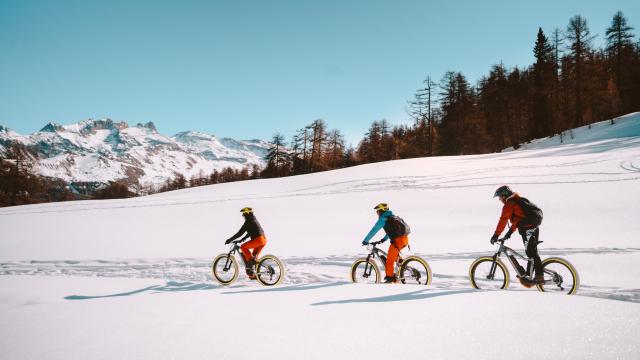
[(381, 254), (234, 249), (511, 255)]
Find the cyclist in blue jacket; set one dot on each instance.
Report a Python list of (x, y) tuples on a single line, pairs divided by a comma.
[(398, 235)]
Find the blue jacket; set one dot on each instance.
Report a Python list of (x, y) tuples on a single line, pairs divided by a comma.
[(382, 221)]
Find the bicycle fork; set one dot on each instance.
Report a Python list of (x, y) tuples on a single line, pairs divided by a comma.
[(367, 267)]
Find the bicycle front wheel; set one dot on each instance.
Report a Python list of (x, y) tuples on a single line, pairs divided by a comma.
[(363, 271), (414, 270), (487, 274), (269, 270), (559, 276), (225, 269)]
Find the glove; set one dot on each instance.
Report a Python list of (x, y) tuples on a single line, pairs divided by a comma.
[(365, 242), (508, 234), (494, 238), (228, 242)]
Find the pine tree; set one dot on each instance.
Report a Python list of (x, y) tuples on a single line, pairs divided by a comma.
[(543, 80), (277, 158), (620, 50), (580, 36)]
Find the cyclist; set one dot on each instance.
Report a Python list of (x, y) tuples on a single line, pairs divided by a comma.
[(512, 211), (396, 230), (253, 229)]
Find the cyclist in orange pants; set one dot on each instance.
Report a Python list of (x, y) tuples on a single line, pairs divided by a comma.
[(258, 241), (396, 230)]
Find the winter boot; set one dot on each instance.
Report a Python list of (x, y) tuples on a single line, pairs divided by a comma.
[(249, 267), (390, 280), (528, 283)]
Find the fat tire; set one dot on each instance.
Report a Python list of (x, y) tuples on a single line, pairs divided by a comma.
[(234, 267), (480, 260), (569, 266), (422, 262), (355, 265), (259, 275)]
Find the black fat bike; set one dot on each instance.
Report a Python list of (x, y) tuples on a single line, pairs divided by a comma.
[(410, 269), (269, 270), (489, 272)]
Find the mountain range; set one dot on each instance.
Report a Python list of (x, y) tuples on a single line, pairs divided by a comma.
[(100, 151)]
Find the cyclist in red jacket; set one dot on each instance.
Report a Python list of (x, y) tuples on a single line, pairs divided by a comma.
[(513, 212)]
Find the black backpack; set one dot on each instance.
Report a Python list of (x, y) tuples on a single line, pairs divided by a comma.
[(396, 227), (532, 213)]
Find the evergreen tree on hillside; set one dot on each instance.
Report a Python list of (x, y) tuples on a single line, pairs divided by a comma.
[(621, 53), (457, 101), (580, 46), (277, 158), (543, 81)]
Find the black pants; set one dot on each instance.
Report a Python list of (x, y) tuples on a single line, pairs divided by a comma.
[(530, 237)]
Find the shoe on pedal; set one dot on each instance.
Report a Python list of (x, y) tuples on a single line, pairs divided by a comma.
[(529, 283), (390, 280), (250, 273)]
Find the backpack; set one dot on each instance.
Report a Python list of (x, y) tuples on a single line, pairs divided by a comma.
[(532, 213), (397, 227)]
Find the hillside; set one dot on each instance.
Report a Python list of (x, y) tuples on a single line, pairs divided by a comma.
[(135, 274)]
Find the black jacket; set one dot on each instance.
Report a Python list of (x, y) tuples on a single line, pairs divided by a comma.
[(251, 226)]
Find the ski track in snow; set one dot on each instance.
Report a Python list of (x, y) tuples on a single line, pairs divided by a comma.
[(301, 271)]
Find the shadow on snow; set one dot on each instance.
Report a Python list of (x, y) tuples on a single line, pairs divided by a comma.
[(171, 286), (413, 295)]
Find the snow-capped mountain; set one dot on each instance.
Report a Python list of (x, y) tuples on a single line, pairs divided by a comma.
[(104, 150)]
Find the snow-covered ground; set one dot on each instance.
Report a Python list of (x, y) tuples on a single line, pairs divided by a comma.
[(130, 278)]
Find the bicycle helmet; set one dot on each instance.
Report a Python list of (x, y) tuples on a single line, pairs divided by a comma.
[(504, 191), (381, 207), (246, 210)]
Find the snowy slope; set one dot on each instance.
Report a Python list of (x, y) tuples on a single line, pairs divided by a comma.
[(589, 191), (104, 150)]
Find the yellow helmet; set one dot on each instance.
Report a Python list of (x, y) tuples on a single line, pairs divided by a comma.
[(381, 207), (246, 210)]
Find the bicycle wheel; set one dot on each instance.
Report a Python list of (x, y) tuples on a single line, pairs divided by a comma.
[(269, 270), (559, 276), (365, 272), (225, 269), (479, 274), (414, 270)]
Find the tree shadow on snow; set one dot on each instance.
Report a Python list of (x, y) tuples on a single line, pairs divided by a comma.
[(413, 295), (170, 286)]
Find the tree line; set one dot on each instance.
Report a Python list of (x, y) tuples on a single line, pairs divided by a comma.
[(571, 84)]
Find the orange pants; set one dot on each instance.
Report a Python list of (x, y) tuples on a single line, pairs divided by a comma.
[(256, 244), (394, 249)]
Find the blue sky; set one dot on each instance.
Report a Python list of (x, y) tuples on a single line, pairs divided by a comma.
[(246, 69)]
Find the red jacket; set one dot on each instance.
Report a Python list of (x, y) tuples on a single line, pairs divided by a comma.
[(512, 212)]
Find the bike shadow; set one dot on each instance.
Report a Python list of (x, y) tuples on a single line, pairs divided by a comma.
[(413, 295), (170, 286), (296, 287)]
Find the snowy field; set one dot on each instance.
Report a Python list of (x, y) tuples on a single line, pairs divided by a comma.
[(130, 279)]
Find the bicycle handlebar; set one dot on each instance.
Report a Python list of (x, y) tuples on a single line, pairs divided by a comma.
[(376, 242)]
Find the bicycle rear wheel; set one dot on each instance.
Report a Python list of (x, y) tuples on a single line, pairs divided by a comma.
[(481, 277), (225, 269), (414, 270), (559, 276), (366, 272), (269, 270)]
